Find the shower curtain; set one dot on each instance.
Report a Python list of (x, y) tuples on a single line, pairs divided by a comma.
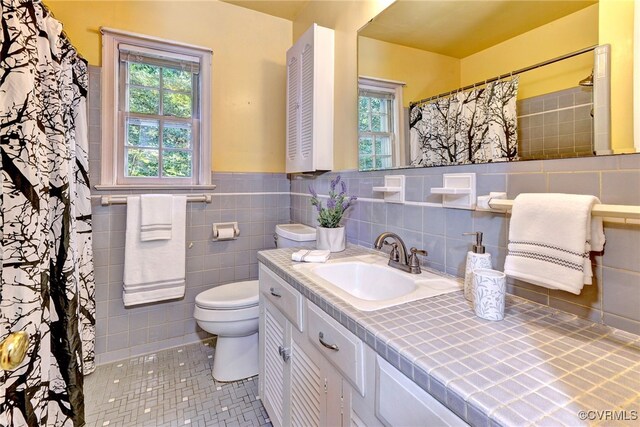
[(475, 126), (47, 285)]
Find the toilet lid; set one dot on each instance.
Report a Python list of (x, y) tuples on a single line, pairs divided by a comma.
[(232, 295)]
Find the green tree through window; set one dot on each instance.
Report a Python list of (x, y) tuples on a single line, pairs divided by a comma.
[(160, 111), (375, 130)]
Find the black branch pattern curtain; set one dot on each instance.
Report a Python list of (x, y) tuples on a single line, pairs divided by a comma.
[(475, 126), (47, 286)]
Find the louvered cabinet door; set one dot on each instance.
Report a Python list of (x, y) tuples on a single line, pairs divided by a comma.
[(307, 389), (306, 105), (316, 386), (273, 381), (310, 75), (293, 108)]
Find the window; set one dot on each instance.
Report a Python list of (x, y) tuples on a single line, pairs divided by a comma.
[(379, 119), (156, 112)]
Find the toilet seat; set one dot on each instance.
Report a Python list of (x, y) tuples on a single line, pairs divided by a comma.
[(232, 296)]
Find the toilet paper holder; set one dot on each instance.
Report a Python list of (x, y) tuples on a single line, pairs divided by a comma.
[(225, 231)]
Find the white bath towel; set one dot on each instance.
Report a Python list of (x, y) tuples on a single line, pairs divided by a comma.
[(156, 212), (550, 240), (307, 255), (154, 270)]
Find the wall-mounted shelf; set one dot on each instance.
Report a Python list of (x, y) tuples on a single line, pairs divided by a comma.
[(393, 188), (458, 190), (443, 190)]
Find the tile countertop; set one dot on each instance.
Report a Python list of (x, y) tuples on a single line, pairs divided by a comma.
[(539, 366)]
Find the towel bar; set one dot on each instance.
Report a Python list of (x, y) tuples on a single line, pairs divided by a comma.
[(622, 212), (122, 199)]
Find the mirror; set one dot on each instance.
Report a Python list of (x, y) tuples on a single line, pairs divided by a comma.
[(440, 83)]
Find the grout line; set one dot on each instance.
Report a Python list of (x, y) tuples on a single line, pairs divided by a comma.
[(369, 199), (557, 109)]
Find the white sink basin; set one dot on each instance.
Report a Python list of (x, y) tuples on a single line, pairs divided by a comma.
[(368, 283)]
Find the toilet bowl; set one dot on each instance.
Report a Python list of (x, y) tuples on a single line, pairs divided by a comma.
[(231, 312)]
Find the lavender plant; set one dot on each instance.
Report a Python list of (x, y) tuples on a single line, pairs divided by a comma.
[(338, 203)]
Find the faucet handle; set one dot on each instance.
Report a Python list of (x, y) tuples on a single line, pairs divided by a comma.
[(414, 262)]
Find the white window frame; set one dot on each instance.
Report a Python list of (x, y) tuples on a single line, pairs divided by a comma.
[(112, 170), (396, 88)]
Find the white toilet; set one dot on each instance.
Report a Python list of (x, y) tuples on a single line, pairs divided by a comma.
[(231, 312)]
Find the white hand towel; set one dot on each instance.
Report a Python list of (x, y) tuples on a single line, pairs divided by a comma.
[(550, 238), (307, 255), (154, 270), (156, 213)]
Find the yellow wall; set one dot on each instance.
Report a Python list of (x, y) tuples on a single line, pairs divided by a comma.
[(425, 73), (345, 17), (616, 28), (248, 94), (431, 74), (567, 34), (249, 66)]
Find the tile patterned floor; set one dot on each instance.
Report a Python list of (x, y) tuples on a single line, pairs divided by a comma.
[(170, 388)]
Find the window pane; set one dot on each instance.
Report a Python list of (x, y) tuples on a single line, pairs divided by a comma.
[(363, 103), (144, 74), (383, 146), (379, 123), (176, 79), (176, 104), (176, 135), (363, 121), (176, 163), (142, 133), (141, 162), (363, 114), (383, 162), (145, 101), (376, 124), (376, 105), (366, 163), (365, 146)]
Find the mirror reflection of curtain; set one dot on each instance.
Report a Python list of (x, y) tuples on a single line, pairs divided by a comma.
[(47, 279), (479, 125)]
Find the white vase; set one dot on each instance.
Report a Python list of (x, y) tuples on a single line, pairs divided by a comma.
[(333, 239)]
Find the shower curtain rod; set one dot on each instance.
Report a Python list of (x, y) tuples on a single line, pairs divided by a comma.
[(503, 76)]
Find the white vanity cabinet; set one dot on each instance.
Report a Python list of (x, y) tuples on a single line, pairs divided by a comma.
[(309, 132), (315, 372), (297, 385)]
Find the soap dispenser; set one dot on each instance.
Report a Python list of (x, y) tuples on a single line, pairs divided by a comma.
[(476, 258)]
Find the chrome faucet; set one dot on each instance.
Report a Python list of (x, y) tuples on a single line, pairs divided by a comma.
[(398, 255)]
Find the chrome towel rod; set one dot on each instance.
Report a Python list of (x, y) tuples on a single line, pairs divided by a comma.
[(113, 199), (610, 212)]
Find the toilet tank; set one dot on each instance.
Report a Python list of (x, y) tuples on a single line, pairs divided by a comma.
[(293, 235)]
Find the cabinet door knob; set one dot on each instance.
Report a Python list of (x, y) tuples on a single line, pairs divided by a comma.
[(333, 347), (274, 293), (284, 353)]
